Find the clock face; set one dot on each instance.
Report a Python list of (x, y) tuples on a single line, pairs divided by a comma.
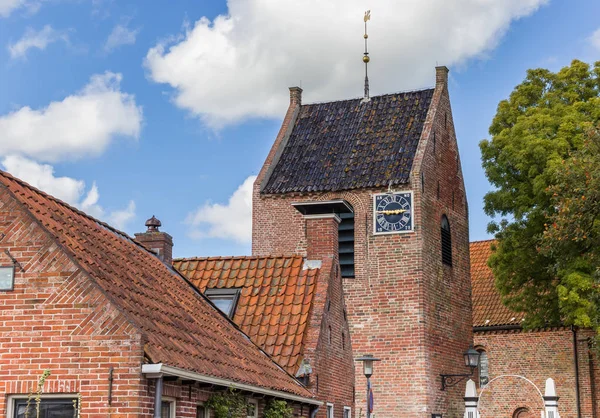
[(392, 213)]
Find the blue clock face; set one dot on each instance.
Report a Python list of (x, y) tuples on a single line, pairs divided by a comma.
[(393, 212)]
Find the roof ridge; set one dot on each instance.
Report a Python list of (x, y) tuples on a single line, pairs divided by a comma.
[(372, 97), (237, 257), (482, 241), (65, 204)]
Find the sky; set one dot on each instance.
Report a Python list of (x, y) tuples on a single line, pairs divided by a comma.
[(132, 108)]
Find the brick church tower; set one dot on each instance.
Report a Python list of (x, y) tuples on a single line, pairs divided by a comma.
[(389, 168)]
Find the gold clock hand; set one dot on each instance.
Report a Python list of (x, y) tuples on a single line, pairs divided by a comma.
[(392, 211)]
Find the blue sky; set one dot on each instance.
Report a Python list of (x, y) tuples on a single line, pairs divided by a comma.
[(133, 108)]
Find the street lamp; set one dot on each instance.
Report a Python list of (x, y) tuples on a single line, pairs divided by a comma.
[(471, 357), (367, 360)]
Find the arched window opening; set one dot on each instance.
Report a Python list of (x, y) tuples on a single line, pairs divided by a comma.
[(446, 241), (484, 368), (522, 413)]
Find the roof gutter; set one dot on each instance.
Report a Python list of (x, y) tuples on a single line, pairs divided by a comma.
[(159, 369)]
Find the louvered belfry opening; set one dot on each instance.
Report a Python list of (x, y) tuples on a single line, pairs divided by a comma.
[(345, 212), (446, 241), (346, 244)]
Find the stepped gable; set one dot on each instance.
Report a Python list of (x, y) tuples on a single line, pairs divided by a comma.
[(276, 296), (348, 144), (488, 309), (182, 328)]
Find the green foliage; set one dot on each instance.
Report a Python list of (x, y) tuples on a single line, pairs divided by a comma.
[(572, 235), (278, 409), (229, 404), (544, 121)]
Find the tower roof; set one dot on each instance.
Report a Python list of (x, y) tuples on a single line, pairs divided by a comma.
[(351, 144)]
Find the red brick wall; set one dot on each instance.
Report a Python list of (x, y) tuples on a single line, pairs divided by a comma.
[(536, 356), (403, 305), (56, 319)]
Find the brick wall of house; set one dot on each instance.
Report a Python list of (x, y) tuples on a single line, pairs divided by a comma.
[(536, 355), (56, 319), (403, 305)]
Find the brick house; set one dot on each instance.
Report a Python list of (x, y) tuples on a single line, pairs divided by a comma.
[(563, 354), (291, 307), (122, 333), (388, 168)]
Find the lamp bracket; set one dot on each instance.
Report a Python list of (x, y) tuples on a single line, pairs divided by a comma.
[(449, 380), (14, 260)]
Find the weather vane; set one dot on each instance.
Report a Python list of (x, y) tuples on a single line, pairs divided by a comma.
[(366, 57)]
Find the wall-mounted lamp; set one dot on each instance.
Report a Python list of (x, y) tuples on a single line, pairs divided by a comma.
[(471, 357)]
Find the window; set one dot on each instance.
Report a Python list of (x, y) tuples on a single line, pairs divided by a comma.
[(7, 277), (201, 412), (49, 408), (343, 341), (167, 408), (484, 371), (224, 299), (347, 412), (522, 413), (446, 241), (329, 334), (329, 410), (252, 409)]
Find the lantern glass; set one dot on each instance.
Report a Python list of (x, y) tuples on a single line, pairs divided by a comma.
[(472, 357), (7, 278), (368, 368)]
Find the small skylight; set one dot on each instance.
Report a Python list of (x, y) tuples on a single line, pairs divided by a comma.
[(224, 299)]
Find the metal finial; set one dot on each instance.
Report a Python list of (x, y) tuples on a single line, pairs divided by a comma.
[(366, 58)]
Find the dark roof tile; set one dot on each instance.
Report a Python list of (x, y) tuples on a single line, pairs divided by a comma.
[(349, 144)]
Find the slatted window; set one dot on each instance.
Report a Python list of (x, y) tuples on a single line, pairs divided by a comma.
[(484, 369), (446, 241), (346, 244)]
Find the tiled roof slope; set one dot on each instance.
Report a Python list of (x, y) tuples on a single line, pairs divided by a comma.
[(182, 328), (348, 144), (276, 296), (488, 309)]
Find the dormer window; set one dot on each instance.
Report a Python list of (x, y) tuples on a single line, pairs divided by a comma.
[(224, 299)]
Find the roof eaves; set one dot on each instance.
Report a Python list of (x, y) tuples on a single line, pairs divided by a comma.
[(157, 369)]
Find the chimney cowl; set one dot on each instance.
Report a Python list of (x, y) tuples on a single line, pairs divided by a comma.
[(153, 224)]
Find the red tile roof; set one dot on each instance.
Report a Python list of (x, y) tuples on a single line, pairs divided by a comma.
[(488, 309), (276, 296), (182, 328)]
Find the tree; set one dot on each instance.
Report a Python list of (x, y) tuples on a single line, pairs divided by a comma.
[(543, 122), (572, 237)]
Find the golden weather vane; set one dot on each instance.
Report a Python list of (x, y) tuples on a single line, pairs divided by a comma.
[(366, 58)]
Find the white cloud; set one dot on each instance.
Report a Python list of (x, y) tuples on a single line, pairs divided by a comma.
[(594, 39), (239, 65), (36, 39), (226, 221), (8, 6), (120, 35), (120, 218), (83, 124), (69, 190)]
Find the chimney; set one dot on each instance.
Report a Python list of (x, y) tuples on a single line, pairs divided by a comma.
[(159, 242), (295, 96), (322, 236), (441, 76)]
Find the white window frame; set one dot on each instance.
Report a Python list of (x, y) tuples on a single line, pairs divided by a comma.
[(347, 408), (332, 413), (10, 401), (173, 403), (255, 403), (206, 410)]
